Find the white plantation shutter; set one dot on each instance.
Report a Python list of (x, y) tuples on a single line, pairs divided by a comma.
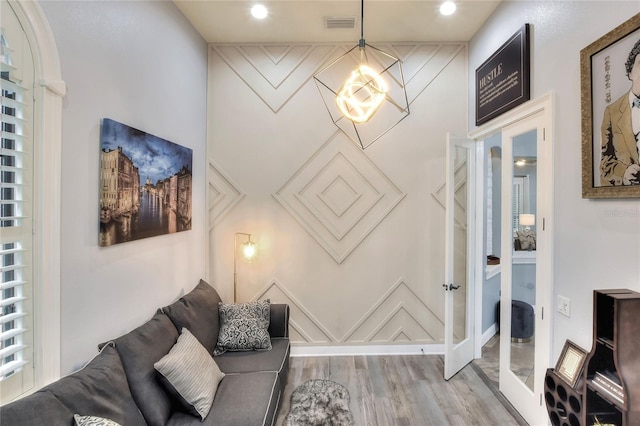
[(16, 235), (519, 199)]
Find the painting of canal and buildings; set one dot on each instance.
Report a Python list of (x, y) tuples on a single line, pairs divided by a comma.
[(145, 185)]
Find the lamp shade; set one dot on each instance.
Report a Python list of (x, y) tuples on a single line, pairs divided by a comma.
[(248, 249), (527, 219)]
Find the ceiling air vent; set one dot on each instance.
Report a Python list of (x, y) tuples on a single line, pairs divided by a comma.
[(340, 22)]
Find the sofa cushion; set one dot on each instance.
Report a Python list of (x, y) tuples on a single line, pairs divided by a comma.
[(197, 311), (277, 359), (139, 350), (100, 388), (47, 406), (191, 373), (244, 327), (252, 361), (93, 421), (242, 399)]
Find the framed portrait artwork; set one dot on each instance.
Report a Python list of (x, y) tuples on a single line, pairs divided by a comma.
[(571, 363), (610, 85)]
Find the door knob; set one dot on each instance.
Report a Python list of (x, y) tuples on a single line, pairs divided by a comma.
[(453, 287)]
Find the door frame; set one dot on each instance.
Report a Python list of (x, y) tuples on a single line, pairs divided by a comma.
[(543, 106)]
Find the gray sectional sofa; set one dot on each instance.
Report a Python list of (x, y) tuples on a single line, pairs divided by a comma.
[(121, 384)]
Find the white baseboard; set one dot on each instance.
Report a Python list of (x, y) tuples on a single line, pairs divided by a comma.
[(487, 335), (427, 349), (302, 350)]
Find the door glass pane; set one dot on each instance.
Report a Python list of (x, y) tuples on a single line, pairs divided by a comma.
[(460, 244), (523, 280)]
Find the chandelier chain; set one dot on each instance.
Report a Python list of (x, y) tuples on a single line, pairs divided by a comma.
[(361, 43)]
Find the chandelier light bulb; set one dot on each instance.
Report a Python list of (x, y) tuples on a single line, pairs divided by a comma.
[(362, 94)]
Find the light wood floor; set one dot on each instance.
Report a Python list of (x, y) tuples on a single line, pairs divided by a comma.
[(405, 390)]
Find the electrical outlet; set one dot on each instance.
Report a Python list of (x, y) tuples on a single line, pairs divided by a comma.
[(564, 306)]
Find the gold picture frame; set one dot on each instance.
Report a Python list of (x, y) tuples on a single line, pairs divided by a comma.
[(604, 81), (571, 363)]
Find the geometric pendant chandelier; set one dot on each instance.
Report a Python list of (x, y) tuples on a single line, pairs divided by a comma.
[(364, 91)]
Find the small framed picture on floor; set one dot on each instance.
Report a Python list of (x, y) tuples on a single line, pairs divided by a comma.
[(571, 363)]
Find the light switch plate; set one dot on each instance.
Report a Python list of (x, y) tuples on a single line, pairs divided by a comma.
[(564, 306)]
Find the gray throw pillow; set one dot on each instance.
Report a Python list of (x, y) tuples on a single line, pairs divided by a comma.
[(192, 372), (98, 389), (198, 312), (244, 327)]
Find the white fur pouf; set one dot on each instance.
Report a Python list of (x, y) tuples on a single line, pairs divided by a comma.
[(319, 403)]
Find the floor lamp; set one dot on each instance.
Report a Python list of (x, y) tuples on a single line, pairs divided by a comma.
[(248, 251)]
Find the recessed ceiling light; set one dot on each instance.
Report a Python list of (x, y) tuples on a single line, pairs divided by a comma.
[(259, 11), (447, 8)]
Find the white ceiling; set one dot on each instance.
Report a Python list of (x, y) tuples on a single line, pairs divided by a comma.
[(291, 21)]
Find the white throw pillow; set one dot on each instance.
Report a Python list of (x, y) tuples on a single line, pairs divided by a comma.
[(93, 421), (192, 372)]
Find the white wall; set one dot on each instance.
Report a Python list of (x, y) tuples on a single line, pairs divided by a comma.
[(596, 242), (142, 64)]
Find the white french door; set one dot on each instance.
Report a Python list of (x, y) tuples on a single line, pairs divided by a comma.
[(525, 265), (459, 277)]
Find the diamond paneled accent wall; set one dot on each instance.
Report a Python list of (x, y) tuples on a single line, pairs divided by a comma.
[(351, 239)]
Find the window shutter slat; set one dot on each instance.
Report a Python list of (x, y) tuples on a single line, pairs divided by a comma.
[(13, 87), (11, 135), (12, 119), (11, 284), (13, 349), (12, 103), (11, 317), (11, 300), (12, 366), (5, 335)]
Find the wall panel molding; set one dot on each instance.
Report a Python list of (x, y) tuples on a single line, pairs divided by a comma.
[(306, 326), (223, 194), (339, 196), (399, 316), (425, 63), (274, 72), (399, 312)]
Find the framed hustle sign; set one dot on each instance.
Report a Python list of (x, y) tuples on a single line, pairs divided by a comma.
[(502, 81)]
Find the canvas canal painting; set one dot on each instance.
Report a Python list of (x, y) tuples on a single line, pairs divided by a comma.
[(145, 185)]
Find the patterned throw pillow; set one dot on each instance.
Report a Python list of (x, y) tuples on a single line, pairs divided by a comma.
[(244, 327), (191, 373), (93, 421)]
